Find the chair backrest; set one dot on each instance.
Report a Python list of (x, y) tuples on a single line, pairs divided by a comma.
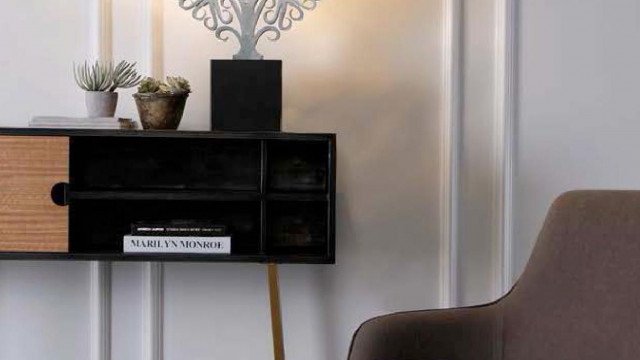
[(579, 297)]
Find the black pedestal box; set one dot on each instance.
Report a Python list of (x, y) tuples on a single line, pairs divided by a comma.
[(246, 95)]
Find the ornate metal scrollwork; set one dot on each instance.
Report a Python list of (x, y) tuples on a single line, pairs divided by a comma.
[(248, 20)]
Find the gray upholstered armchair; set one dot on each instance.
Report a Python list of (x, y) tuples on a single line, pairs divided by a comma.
[(578, 299)]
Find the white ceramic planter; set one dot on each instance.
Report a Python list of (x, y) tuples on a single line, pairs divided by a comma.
[(101, 104)]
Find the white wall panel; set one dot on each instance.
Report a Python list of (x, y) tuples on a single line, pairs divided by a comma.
[(216, 311), (39, 42), (578, 119), (44, 310), (477, 154), (44, 307), (127, 311)]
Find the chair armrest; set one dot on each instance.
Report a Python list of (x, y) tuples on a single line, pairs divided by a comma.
[(458, 334)]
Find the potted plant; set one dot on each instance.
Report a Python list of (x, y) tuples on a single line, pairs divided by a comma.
[(100, 81), (161, 104)]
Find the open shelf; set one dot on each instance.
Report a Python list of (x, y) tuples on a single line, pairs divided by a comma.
[(168, 164), (295, 166), (297, 228), (99, 225)]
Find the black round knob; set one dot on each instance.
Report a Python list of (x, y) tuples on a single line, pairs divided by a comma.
[(59, 194)]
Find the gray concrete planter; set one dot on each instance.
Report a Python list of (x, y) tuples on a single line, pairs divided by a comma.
[(101, 103), (161, 111)]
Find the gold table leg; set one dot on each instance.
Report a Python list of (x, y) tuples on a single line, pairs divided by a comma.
[(276, 315)]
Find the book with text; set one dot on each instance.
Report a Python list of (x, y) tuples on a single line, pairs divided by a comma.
[(178, 228), (134, 244)]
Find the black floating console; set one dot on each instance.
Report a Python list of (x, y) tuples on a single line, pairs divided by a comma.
[(273, 192)]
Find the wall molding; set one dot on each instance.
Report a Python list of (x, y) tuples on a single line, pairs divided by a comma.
[(153, 273), (154, 24), (100, 304), (102, 29), (153, 297), (450, 157), (100, 272), (504, 137)]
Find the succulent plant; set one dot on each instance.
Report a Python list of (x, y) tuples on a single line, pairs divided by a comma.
[(125, 76), (103, 76), (149, 85), (96, 77), (173, 85), (178, 84)]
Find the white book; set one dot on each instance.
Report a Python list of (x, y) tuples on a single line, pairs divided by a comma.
[(134, 244), (57, 122)]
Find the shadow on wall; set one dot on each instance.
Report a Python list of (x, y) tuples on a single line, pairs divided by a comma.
[(370, 78), (385, 229)]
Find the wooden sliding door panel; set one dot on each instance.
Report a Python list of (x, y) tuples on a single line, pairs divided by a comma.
[(29, 220)]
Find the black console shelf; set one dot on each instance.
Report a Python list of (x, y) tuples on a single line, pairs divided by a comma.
[(274, 192)]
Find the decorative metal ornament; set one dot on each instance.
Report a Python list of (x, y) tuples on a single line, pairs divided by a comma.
[(248, 20)]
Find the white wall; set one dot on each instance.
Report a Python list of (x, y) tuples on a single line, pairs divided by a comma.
[(578, 105), (39, 44), (574, 125), (373, 76), (42, 305), (372, 73), (477, 168)]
